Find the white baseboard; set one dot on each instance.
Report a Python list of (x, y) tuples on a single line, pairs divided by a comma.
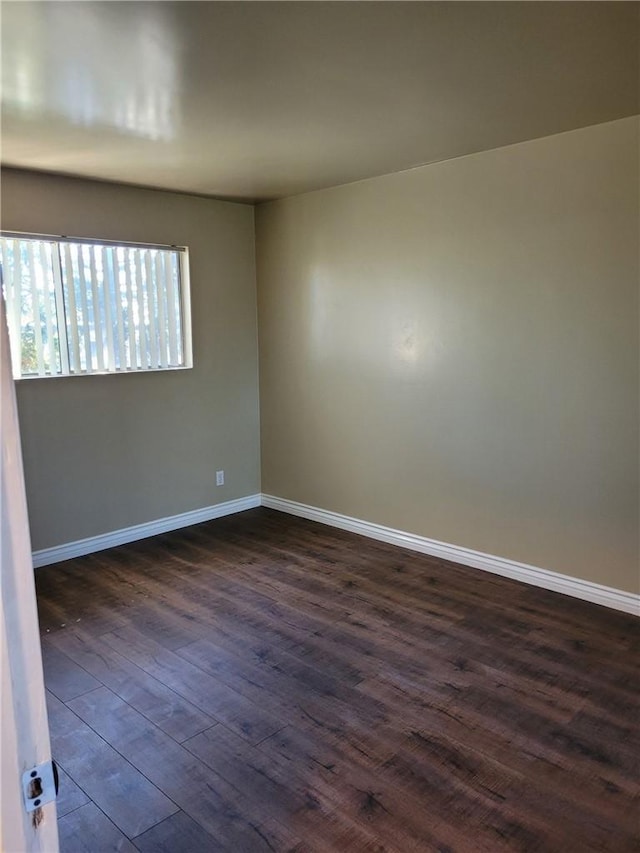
[(607, 596), (585, 590), (141, 531)]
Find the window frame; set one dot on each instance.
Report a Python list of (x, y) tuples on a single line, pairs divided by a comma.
[(61, 306)]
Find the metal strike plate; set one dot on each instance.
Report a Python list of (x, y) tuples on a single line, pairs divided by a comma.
[(39, 786)]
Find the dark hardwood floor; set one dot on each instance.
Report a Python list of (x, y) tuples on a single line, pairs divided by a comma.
[(261, 682)]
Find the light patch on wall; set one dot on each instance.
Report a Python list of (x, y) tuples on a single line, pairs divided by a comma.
[(320, 301), (342, 330), (407, 344), (413, 350)]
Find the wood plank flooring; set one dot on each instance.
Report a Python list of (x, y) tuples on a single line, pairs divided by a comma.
[(265, 683)]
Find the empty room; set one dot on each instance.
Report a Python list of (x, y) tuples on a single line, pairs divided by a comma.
[(320, 425)]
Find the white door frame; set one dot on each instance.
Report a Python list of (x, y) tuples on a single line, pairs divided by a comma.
[(24, 739)]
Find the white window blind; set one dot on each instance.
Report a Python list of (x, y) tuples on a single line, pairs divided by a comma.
[(82, 308)]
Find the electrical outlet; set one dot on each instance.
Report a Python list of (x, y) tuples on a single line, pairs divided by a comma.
[(219, 478)]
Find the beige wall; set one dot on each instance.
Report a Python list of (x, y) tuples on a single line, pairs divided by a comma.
[(107, 452), (453, 351)]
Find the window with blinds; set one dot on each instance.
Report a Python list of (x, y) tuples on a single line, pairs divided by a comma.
[(77, 308)]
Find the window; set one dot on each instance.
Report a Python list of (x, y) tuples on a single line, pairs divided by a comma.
[(76, 307)]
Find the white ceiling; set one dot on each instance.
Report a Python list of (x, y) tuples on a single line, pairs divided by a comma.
[(258, 100)]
